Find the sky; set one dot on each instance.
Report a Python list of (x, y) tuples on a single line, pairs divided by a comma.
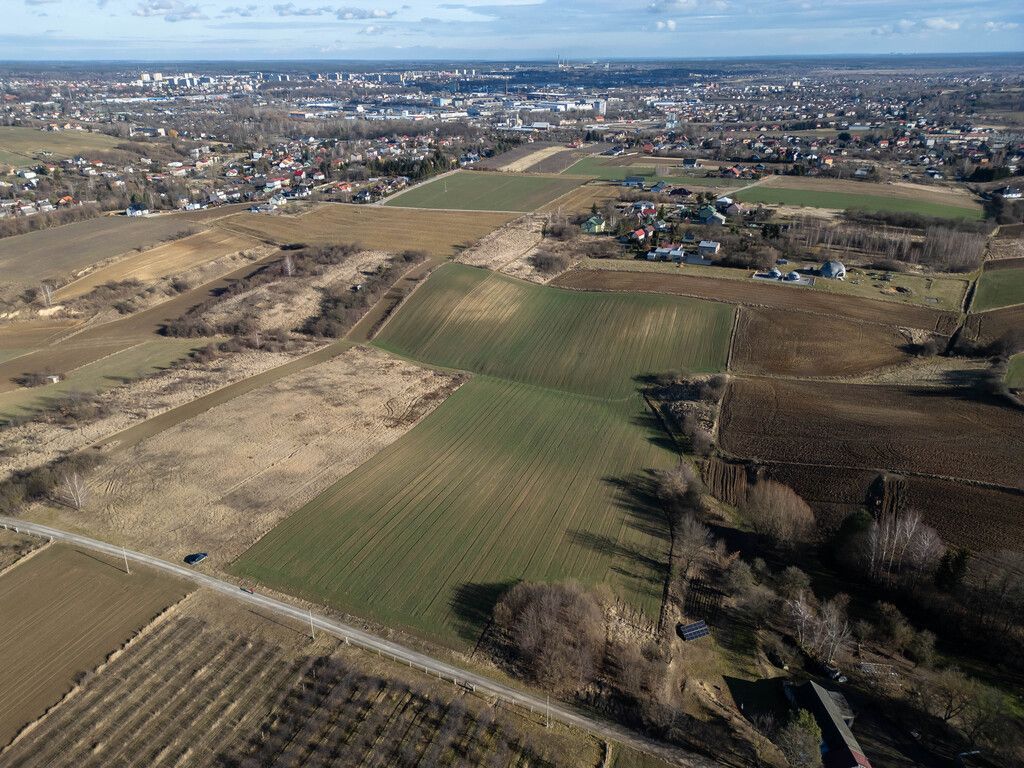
[(181, 30)]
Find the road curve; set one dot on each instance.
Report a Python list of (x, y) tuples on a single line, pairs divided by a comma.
[(371, 642)]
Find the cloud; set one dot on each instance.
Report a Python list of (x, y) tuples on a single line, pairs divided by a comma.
[(372, 29), (999, 26), (908, 27), (291, 9), (239, 10), (170, 10), (41, 2), (940, 24), (348, 13), (669, 24), (667, 6)]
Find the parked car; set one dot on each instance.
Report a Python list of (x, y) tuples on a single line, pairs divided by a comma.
[(195, 558)]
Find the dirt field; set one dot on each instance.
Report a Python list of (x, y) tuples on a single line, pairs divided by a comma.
[(506, 250), (753, 293), (14, 546), (583, 198), (537, 155), (215, 684), (439, 233), (485, 191), (873, 427), (219, 481), (288, 302), (62, 253), (791, 343), (162, 261), (987, 327), (64, 611)]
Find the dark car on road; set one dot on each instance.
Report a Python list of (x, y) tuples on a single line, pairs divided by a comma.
[(195, 558)]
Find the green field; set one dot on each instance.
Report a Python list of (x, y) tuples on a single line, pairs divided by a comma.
[(843, 200), (103, 374), (1015, 373), (479, 191), (588, 343), (19, 146), (502, 482), (596, 168), (999, 288)]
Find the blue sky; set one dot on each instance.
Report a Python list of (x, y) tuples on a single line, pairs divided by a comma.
[(499, 29)]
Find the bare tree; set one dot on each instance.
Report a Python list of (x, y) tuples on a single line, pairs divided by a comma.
[(288, 266), (693, 542), (74, 490), (899, 543), (777, 512)]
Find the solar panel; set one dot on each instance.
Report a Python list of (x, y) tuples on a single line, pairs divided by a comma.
[(693, 631)]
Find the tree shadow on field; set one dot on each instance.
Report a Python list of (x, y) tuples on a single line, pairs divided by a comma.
[(637, 495), (652, 425), (473, 604)]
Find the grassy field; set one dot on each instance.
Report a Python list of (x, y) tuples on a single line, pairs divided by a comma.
[(439, 233), (64, 611), (19, 146), (813, 198), (999, 288), (587, 343), (107, 372), (1015, 373), (597, 168), (502, 482), (479, 191)]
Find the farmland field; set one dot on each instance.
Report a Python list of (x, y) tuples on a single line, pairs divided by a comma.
[(482, 191), (867, 200), (162, 261), (439, 233), (221, 686), (117, 366), (587, 343), (999, 288), (19, 146), (504, 481), (63, 612), (760, 293), (791, 343), (1015, 371), (987, 327), (874, 427), (14, 546), (648, 167)]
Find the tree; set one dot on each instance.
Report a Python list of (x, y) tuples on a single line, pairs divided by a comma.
[(74, 490), (800, 741), (900, 544), (778, 513), (793, 582), (693, 541)]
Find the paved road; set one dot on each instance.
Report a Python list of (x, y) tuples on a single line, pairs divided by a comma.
[(369, 641)]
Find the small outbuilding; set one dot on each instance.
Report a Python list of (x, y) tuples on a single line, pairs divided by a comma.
[(834, 270)]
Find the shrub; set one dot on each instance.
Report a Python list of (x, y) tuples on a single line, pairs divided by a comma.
[(778, 513), (549, 263)]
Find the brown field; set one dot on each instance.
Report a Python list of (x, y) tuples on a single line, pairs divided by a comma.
[(514, 155), (507, 249), (62, 253), (14, 546), (64, 611), (214, 684), (557, 162), (756, 294), (162, 261), (789, 343), (439, 233), (582, 199), (986, 327), (220, 480), (898, 190), (29, 334), (902, 429)]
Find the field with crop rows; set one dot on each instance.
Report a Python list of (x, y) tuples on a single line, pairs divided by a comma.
[(929, 431), (439, 233), (760, 293), (482, 191), (648, 167), (502, 482), (999, 288), (64, 611), (188, 692), (792, 343), (987, 327), (589, 343), (815, 198)]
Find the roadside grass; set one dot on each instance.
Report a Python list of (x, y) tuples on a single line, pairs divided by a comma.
[(100, 375), (482, 191), (503, 482), (1015, 371), (940, 291), (843, 201), (999, 288), (589, 343)]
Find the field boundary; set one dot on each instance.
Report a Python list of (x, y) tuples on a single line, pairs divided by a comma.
[(27, 556)]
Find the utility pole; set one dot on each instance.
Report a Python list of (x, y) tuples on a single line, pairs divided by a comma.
[(125, 556), (547, 711), (312, 631)]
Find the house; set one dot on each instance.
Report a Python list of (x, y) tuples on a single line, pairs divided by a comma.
[(839, 747), (691, 163), (136, 209), (834, 270), (636, 182), (708, 247), (1008, 193), (595, 225)]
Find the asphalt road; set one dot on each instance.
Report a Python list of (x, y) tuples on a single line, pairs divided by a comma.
[(371, 642)]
